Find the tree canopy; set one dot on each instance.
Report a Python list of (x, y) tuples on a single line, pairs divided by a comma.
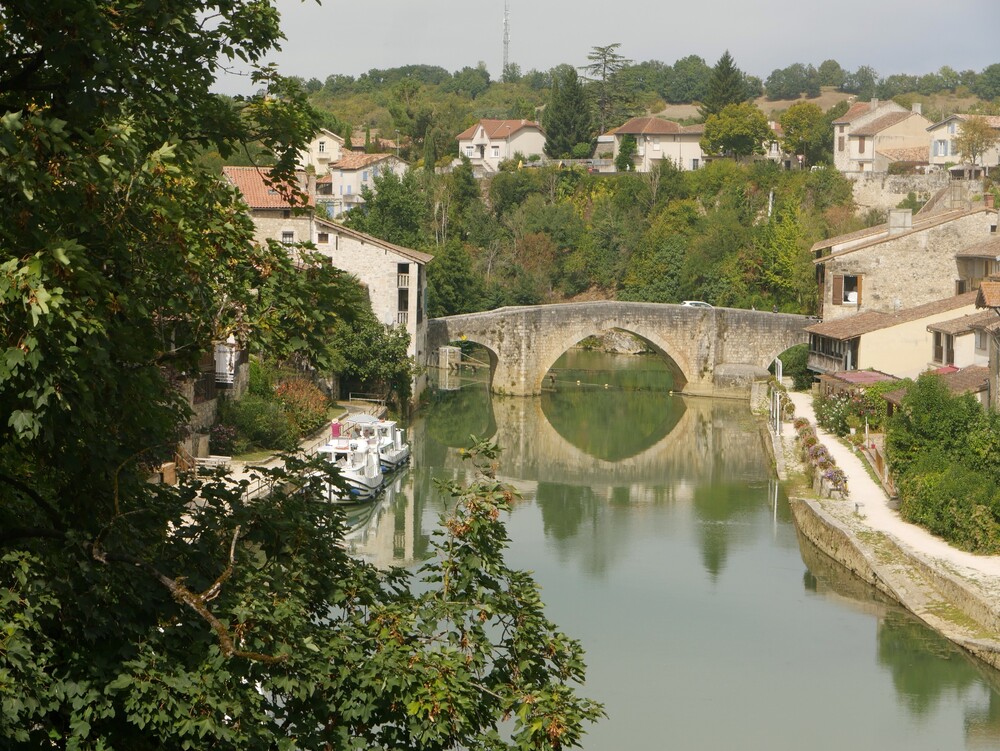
[(727, 85), (975, 137), (147, 616), (739, 130), (566, 119)]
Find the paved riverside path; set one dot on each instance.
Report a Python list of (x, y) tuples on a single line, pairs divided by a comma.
[(867, 509)]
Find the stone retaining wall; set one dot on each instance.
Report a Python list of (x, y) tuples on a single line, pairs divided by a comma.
[(843, 546)]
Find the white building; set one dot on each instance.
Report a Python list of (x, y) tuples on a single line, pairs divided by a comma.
[(324, 149), (489, 142), (340, 189), (657, 139)]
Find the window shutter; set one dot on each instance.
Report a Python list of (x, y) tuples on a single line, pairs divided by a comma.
[(859, 292), (838, 289)]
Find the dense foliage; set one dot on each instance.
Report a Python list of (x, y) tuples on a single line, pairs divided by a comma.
[(139, 616), (942, 448)]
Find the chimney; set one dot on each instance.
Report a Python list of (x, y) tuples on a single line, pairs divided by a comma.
[(900, 220), (874, 103), (988, 198)]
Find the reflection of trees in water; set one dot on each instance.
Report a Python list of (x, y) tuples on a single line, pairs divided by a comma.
[(634, 413), (455, 415), (924, 666), (720, 508)]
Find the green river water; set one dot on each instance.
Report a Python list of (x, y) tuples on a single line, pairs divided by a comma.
[(662, 541)]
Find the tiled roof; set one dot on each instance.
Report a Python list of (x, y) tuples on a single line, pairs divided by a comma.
[(992, 120), (988, 295), (252, 183), (855, 111), (925, 222), (358, 160), (878, 229), (988, 249), (498, 130), (879, 124), (972, 379), (413, 255), (655, 126), (864, 323), (859, 377), (964, 324), (912, 154)]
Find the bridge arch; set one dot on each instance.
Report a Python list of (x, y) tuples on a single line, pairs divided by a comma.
[(707, 345)]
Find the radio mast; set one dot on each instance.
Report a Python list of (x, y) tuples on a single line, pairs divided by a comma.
[(506, 38)]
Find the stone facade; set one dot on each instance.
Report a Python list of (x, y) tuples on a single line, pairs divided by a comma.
[(706, 345), (903, 269)]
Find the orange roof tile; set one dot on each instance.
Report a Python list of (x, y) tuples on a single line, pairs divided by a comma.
[(356, 160), (855, 111), (873, 320), (258, 193), (498, 130), (988, 295)]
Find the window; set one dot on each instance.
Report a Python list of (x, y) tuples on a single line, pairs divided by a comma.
[(944, 348), (842, 128), (403, 307), (348, 190), (861, 144), (322, 146), (402, 275), (286, 214), (287, 237), (982, 341), (694, 164), (323, 238), (846, 290), (364, 176), (656, 145), (940, 148), (495, 151), (951, 127), (468, 151), (840, 143)]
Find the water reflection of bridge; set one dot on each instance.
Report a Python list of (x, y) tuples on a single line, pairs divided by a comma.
[(708, 441)]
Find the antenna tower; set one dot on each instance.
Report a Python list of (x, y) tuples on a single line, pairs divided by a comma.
[(506, 37)]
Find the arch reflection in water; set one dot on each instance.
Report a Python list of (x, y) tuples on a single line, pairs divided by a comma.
[(685, 583)]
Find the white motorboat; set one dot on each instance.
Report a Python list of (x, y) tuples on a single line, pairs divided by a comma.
[(393, 450), (359, 467), (383, 436)]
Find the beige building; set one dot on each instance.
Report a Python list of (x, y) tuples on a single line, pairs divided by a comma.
[(489, 142), (871, 135), (898, 343), (324, 149), (906, 262), (394, 276), (657, 139), (944, 150), (340, 189)]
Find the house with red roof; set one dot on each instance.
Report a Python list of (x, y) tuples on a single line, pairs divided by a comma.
[(872, 135), (657, 139), (489, 142), (394, 276)]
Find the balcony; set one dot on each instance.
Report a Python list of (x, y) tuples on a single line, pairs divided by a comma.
[(402, 317), (821, 363), (402, 281)]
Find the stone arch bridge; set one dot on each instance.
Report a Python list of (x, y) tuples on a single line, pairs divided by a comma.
[(715, 351)]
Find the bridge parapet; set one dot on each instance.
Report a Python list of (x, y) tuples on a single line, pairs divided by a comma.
[(714, 350)]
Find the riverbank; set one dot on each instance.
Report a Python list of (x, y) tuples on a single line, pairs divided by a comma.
[(954, 592)]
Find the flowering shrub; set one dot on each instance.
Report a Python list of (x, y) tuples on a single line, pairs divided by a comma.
[(305, 405), (799, 423), (819, 455), (836, 477)]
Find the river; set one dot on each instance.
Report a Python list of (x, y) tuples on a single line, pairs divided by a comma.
[(662, 541)]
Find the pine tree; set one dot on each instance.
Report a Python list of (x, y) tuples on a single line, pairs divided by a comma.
[(567, 117), (726, 86)]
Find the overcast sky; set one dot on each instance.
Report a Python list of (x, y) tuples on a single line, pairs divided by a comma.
[(893, 36)]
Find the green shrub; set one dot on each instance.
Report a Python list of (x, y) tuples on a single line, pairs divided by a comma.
[(263, 423), (261, 379)]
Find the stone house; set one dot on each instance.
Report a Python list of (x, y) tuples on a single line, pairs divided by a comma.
[(943, 149), (394, 277), (901, 264), (871, 135), (988, 298), (489, 142), (657, 139), (324, 149), (898, 343), (340, 189)]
